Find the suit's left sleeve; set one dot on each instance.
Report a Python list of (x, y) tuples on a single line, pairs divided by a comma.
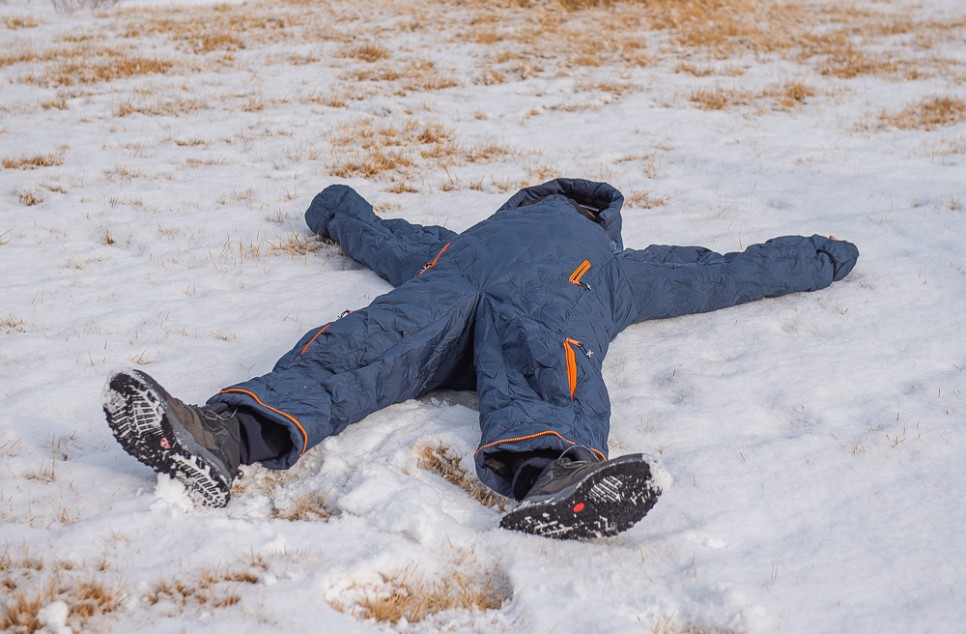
[(671, 281), (395, 249)]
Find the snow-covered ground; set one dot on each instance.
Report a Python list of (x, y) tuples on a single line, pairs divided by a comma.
[(157, 157)]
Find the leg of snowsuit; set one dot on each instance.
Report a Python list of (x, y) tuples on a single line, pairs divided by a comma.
[(404, 344), (526, 405)]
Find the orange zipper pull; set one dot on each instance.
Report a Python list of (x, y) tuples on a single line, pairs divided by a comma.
[(579, 273), (430, 265)]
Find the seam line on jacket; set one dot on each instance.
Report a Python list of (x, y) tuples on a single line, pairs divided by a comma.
[(312, 340), (531, 436), (289, 417)]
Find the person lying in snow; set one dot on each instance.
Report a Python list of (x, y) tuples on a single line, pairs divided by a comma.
[(520, 307)]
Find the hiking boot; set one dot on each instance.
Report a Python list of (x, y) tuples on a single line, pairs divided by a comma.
[(580, 496), (199, 446)]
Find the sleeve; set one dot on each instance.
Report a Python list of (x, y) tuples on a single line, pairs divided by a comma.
[(396, 250), (671, 281)]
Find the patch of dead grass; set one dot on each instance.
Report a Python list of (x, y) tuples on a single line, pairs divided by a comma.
[(32, 161), (370, 149), (219, 28), (790, 94), (369, 53), (719, 98), (928, 114), (30, 197), (13, 324), (83, 64), (404, 77), (14, 22), (784, 96), (444, 463), (645, 200), (160, 106), (30, 583), (412, 598), (214, 587)]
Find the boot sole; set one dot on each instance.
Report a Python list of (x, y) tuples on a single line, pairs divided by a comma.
[(145, 427), (607, 502)]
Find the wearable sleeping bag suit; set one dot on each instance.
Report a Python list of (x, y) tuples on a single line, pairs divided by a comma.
[(522, 306)]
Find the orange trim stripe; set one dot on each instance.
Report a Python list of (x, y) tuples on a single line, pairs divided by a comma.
[(537, 435), (289, 417), (571, 364), (579, 272), (312, 340), (430, 265)]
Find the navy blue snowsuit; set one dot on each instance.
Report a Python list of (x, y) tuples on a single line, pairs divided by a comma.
[(522, 306)]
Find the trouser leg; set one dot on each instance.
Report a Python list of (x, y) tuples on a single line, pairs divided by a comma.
[(526, 404), (262, 439), (402, 345)]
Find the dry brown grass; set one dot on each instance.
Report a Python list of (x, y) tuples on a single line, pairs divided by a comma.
[(366, 52), (413, 599), (221, 28), (212, 588), (83, 63), (32, 161), (14, 22), (298, 244), (400, 152), (370, 149), (444, 463), (30, 583), (30, 197), (160, 106), (405, 77), (784, 96), (929, 114), (838, 40), (790, 94), (719, 98), (307, 507), (644, 200), (12, 323)]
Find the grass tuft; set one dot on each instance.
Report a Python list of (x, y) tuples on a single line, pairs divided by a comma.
[(29, 584), (25, 162), (30, 197), (441, 461), (929, 114), (410, 599)]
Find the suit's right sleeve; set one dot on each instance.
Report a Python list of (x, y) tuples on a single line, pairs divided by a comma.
[(396, 250), (670, 281)]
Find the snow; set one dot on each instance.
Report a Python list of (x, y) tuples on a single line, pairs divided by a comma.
[(815, 441)]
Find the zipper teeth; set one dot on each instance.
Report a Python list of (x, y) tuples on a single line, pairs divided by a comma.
[(579, 273)]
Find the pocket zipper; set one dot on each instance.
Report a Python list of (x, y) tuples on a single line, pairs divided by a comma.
[(430, 265), (571, 357), (579, 273)]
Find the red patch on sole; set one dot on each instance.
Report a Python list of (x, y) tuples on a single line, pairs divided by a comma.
[(578, 507), (165, 444)]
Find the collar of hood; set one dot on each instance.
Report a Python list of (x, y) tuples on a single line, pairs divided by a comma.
[(597, 195)]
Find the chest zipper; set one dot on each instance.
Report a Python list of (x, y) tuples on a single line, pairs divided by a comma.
[(579, 273), (430, 265), (571, 357)]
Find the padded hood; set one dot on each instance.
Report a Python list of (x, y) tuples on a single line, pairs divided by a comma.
[(600, 196)]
